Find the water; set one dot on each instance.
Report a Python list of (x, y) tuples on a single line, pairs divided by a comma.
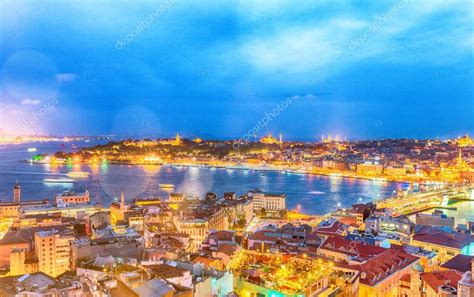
[(313, 194), (463, 214)]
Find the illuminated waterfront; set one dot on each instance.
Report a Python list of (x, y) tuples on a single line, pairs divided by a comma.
[(314, 194)]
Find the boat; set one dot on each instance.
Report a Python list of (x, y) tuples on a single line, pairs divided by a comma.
[(166, 186), (58, 180), (237, 167), (78, 174), (32, 150)]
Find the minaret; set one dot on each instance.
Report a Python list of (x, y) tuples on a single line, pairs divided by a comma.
[(17, 193), (281, 138), (122, 202)]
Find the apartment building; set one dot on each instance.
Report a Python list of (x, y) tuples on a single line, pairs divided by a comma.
[(53, 251)]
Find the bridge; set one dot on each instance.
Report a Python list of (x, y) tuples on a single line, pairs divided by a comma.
[(418, 202)]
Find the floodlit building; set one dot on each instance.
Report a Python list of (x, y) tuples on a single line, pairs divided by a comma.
[(268, 201), (370, 168), (9, 210), (244, 210), (197, 230), (72, 198), (52, 248), (117, 211), (380, 275), (22, 262)]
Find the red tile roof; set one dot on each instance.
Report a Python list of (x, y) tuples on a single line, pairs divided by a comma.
[(438, 278), (204, 260), (349, 247), (222, 235), (227, 249), (461, 263), (331, 228), (382, 266), (453, 239)]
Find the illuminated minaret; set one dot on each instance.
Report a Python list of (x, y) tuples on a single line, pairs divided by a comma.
[(17, 193), (281, 138), (122, 202)]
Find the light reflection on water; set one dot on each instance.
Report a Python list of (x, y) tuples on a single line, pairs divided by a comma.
[(106, 182)]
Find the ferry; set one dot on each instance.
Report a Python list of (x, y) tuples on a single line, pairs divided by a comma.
[(78, 174), (58, 180), (32, 150), (166, 186)]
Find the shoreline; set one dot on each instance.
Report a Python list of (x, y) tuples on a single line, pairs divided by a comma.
[(232, 167)]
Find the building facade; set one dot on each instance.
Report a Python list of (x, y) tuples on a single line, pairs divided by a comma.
[(53, 251)]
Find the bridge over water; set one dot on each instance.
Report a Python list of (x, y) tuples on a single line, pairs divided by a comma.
[(418, 202)]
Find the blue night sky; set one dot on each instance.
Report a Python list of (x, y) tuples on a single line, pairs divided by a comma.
[(359, 69)]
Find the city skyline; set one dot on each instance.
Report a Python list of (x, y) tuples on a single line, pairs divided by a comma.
[(215, 70), (236, 148)]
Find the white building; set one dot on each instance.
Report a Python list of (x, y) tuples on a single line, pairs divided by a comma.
[(268, 201)]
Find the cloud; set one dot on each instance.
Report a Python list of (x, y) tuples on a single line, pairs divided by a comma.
[(29, 101), (65, 77), (322, 47), (252, 54), (300, 48), (307, 97)]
